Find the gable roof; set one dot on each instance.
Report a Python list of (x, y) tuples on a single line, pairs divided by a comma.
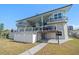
[(70, 5)]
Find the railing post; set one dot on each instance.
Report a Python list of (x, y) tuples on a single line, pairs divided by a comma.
[(42, 22)]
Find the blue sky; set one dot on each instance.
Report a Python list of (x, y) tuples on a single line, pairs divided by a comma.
[(10, 13)]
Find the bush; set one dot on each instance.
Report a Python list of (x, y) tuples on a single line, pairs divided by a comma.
[(40, 41)]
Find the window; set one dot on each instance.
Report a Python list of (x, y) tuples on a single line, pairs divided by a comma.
[(59, 15), (55, 16)]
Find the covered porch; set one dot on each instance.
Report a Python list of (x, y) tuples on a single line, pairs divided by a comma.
[(49, 36)]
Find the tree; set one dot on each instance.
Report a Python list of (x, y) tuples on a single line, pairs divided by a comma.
[(1, 29), (3, 33), (1, 26)]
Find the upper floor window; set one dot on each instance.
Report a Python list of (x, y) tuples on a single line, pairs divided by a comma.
[(59, 15), (55, 16)]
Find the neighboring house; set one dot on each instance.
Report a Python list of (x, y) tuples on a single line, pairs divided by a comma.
[(70, 29), (44, 26), (75, 33)]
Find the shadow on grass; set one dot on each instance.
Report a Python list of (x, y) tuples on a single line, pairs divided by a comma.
[(20, 42)]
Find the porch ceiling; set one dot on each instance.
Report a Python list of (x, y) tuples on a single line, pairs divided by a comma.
[(38, 18)]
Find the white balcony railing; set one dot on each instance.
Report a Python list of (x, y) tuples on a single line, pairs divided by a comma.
[(58, 19), (39, 28), (46, 28)]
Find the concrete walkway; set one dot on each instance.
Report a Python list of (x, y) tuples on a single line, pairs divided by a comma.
[(35, 49)]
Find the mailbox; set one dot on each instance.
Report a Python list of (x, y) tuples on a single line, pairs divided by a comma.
[(59, 33)]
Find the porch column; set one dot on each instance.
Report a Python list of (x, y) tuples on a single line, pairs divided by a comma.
[(42, 22)]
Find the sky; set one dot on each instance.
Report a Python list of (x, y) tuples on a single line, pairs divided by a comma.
[(10, 13)]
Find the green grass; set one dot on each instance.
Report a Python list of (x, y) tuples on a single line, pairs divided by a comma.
[(69, 48), (8, 47)]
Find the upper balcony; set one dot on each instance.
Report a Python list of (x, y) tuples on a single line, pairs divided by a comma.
[(22, 24), (38, 29), (53, 20)]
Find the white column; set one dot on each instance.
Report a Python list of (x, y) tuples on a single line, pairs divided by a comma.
[(66, 31), (42, 22)]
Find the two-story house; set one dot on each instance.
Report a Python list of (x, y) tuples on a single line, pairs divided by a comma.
[(49, 26)]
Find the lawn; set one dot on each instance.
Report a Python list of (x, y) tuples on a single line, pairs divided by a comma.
[(8, 47), (68, 48)]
